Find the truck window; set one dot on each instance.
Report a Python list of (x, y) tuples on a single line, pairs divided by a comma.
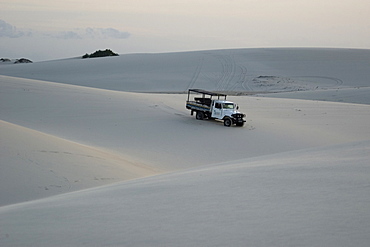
[(228, 106), (218, 105)]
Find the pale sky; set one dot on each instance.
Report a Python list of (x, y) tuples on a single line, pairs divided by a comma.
[(44, 30)]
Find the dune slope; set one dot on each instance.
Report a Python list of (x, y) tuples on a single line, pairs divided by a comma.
[(312, 197), (155, 131), (297, 174), (36, 165), (237, 71), (159, 130)]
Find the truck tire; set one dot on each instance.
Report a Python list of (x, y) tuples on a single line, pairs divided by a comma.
[(199, 115), (227, 122)]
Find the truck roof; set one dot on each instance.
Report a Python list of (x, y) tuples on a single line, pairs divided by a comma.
[(206, 92), (224, 101)]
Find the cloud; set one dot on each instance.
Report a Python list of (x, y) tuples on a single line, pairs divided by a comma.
[(66, 35), (10, 31), (114, 33), (106, 33), (89, 33)]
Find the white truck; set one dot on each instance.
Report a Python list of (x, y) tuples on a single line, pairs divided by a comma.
[(206, 107)]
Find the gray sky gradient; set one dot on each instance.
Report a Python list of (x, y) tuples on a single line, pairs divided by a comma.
[(43, 29)]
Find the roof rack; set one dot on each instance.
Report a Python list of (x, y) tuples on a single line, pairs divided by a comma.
[(206, 92)]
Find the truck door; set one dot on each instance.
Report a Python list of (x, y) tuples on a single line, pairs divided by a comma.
[(217, 110)]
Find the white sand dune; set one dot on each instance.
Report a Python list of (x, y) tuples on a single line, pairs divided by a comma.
[(313, 197), (359, 95), (239, 70), (296, 175), (158, 130), (36, 165)]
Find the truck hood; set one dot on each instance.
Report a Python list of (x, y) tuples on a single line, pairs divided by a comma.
[(230, 112)]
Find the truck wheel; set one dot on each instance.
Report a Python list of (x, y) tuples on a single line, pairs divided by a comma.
[(227, 122), (199, 115)]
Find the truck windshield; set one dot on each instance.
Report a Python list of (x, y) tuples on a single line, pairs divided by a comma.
[(228, 106)]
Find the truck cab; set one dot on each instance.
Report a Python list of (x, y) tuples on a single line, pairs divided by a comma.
[(221, 108)]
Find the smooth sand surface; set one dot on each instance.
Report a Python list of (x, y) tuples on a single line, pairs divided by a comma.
[(297, 174)]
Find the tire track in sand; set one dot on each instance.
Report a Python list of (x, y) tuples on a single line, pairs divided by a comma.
[(196, 74), (228, 72)]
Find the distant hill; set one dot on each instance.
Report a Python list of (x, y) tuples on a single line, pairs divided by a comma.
[(99, 53), (21, 60)]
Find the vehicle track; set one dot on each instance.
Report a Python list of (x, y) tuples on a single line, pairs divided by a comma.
[(245, 83), (242, 82), (196, 74), (228, 72), (338, 82)]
